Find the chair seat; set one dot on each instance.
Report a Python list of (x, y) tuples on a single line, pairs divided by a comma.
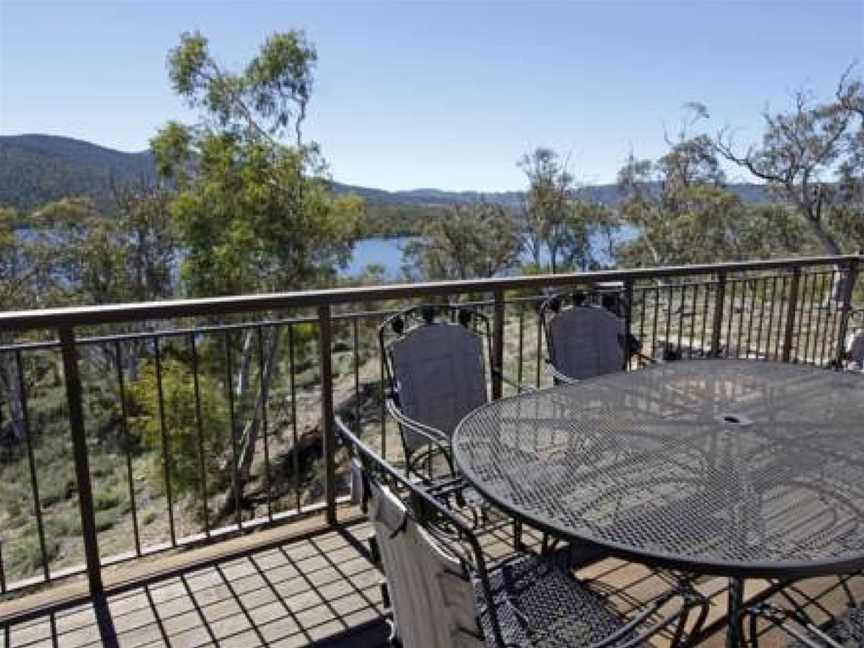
[(539, 603), (846, 631)]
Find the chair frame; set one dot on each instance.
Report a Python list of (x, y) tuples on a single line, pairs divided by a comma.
[(400, 325), (793, 620), (457, 538), (613, 301)]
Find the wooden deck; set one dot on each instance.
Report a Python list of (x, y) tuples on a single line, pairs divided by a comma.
[(281, 588)]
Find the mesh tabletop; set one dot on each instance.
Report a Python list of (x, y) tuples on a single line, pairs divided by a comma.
[(719, 466)]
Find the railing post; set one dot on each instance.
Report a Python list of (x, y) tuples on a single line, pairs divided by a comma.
[(498, 344), (79, 450), (628, 321), (719, 303), (325, 335), (791, 307), (845, 308)]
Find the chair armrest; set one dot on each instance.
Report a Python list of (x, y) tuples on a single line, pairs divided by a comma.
[(690, 599), (558, 375), (436, 438), (793, 625)]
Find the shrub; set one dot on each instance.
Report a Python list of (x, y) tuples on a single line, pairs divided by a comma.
[(26, 554), (181, 425), (107, 519)]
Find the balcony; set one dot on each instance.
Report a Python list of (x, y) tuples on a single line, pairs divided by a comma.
[(128, 519)]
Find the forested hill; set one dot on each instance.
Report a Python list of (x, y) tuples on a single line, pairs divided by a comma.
[(35, 169)]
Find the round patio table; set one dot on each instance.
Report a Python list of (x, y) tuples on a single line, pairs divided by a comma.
[(740, 468)]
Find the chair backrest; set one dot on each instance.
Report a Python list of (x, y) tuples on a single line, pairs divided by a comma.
[(429, 554), (437, 371), (431, 595), (584, 341)]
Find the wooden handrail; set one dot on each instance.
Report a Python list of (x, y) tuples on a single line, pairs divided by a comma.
[(70, 317)]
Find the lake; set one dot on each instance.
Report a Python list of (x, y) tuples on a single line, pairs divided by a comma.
[(387, 252)]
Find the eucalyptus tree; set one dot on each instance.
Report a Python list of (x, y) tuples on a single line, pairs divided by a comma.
[(480, 239), (685, 213), (551, 191), (253, 207), (812, 156)]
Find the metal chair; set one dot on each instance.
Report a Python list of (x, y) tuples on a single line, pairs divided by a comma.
[(586, 335), (435, 364), (854, 343), (444, 593), (792, 620)]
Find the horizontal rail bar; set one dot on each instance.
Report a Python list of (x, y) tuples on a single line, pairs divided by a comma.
[(117, 313)]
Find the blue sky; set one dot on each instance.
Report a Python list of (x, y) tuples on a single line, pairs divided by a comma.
[(440, 94)]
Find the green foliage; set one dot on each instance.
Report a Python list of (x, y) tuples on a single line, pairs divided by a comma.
[(477, 240), (382, 219), (181, 425), (555, 215), (812, 157), (685, 214), (254, 213), (26, 554)]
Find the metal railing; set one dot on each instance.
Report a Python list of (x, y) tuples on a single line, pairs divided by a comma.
[(292, 360)]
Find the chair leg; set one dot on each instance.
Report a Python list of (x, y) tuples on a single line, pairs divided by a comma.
[(374, 552), (518, 545)]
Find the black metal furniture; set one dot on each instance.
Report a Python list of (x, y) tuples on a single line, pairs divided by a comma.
[(586, 335), (726, 467), (444, 592), (435, 363)]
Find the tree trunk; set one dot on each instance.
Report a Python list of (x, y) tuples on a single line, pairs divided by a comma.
[(252, 427), (11, 386)]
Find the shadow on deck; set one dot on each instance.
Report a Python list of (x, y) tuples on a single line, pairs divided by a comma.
[(318, 587)]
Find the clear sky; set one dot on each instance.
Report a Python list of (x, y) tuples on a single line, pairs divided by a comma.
[(438, 94)]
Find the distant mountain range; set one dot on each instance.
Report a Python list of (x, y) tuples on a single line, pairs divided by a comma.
[(35, 169)]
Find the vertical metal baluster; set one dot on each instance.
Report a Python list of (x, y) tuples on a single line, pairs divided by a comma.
[(770, 326), (539, 350), (3, 579), (31, 461), (628, 320), (668, 334), (694, 295), (519, 368), (719, 303), (704, 327), (264, 422), (823, 327), (764, 281), (734, 283), (781, 316), (810, 333), (356, 339), (295, 458), (654, 323), (837, 317), (790, 314), (163, 428), (199, 430), (326, 365), (642, 317), (124, 427), (72, 378), (232, 417), (755, 286), (799, 317), (742, 299), (497, 360), (846, 307), (681, 317)]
